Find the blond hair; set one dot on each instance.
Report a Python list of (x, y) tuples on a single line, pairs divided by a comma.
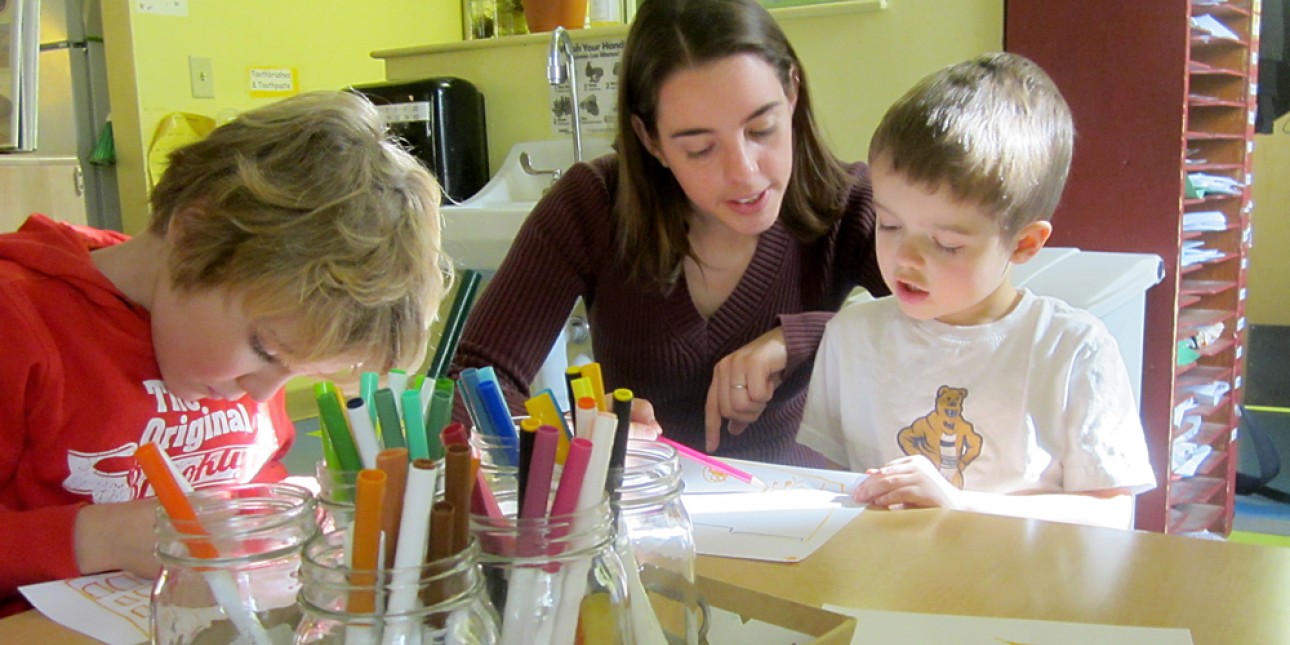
[(995, 130), (309, 210)]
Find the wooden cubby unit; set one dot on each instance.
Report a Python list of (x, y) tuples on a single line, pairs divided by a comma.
[(1172, 101)]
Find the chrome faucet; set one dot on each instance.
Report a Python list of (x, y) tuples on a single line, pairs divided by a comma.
[(561, 69)]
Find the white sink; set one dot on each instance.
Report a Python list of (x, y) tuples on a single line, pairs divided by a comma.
[(478, 232)]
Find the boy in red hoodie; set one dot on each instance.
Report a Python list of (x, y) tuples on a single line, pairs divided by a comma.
[(297, 239)]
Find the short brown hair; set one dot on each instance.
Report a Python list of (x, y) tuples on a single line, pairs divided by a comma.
[(995, 130), (668, 36), (308, 209)]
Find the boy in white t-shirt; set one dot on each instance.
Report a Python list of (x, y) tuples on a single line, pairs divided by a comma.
[(961, 390)]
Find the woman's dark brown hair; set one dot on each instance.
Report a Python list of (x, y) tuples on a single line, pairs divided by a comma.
[(668, 36)]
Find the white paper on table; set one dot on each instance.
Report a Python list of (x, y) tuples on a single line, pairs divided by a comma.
[(898, 627), (699, 478), (776, 525), (112, 607)]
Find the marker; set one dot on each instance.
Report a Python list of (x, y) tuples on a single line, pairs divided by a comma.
[(457, 486), (439, 417), (591, 372), (336, 424), (454, 323), (368, 382), (528, 439), (172, 490), (585, 417), (397, 381), (541, 467), (622, 428), (500, 420), (544, 408), (394, 463), (369, 506), (364, 432), (711, 462), (387, 412), (418, 440)]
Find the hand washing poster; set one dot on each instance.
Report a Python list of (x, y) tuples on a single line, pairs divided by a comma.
[(596, 72)]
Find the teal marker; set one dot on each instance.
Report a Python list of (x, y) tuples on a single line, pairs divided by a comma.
[(414, 425), (367, 384)]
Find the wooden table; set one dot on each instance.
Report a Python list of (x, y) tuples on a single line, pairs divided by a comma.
[(946, 562)]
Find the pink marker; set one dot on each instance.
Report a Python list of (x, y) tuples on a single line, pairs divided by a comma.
[(709, 461)]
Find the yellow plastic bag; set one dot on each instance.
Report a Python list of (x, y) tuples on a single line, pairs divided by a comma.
[(175, 131)]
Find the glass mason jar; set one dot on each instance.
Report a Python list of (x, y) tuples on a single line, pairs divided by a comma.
[(661, 537), (335, 497), (555, 576), (440, 602), (232, 576), (494, 459)]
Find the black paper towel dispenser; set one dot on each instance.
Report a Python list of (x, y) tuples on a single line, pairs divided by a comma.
[(442, 120)]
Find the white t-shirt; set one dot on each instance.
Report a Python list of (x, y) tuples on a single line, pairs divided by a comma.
[(1038, 401)]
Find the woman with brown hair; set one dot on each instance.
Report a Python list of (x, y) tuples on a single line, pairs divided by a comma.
[(710, 251)]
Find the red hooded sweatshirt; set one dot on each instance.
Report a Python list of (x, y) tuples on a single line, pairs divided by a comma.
[(80, 390)]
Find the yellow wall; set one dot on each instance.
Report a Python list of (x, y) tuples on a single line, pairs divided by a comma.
[(1269, 262), (328, 42), (857, 64)]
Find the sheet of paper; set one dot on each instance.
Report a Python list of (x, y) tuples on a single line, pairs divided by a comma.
[(791, 514), (699, 478), (899, 628), (112, 607), (776, 525)]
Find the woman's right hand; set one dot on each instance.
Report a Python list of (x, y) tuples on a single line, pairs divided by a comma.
[(118, 536)]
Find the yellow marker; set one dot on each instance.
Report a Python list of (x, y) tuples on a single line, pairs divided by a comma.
[(582, 390), (591, 372), (596, 619), (543, 408)]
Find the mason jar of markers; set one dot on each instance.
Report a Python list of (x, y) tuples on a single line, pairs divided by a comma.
[(657, 538), (555, 576), (229, 572), (439, 601), (336, 490)]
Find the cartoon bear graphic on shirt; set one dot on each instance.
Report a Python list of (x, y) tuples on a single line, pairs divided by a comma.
[(944, 436)]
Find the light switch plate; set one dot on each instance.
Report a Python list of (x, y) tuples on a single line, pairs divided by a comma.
[(201, 76)]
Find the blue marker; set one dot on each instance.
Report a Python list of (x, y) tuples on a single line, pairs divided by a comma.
[(500, 416)]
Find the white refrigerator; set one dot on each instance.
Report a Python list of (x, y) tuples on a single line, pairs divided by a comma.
[(53, 174)]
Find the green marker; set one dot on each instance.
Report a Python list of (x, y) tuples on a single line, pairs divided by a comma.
[(337, 426), (388, 414)]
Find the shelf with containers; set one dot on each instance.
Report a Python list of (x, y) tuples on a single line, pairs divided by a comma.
[(1163, 165)]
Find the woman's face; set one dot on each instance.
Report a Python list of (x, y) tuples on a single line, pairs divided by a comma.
[(725, 131)]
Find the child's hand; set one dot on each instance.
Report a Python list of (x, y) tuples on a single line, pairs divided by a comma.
[(908, 481), (118, 536)]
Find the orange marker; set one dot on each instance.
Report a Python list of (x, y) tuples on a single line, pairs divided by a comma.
[(173, 497), (369, 502)]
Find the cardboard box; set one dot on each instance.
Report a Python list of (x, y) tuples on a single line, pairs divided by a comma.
[(825, 627)]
